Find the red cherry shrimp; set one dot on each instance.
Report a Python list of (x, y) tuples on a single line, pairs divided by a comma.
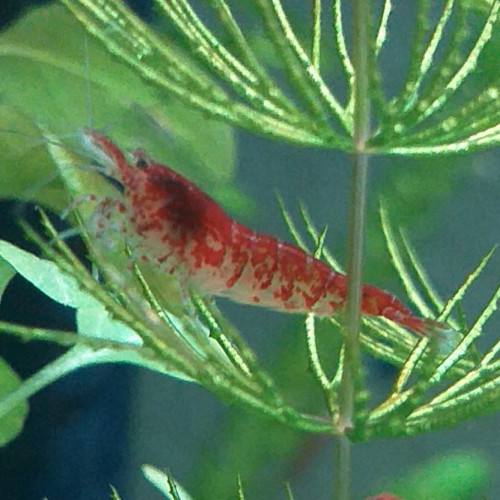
[(178, 226)]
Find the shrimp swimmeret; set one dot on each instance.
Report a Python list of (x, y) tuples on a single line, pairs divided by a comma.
[(178, 226)]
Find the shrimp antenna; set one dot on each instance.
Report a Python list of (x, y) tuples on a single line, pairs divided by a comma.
[(88, 93), (42, 140)]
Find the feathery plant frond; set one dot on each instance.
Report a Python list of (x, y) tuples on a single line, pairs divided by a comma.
[(180, 346), (122, 316), (113, 494), (192, 341), (219, 71), (466, 381), (465, 393)]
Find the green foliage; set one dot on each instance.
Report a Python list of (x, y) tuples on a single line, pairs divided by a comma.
[(461, 475), (180, 345), (47, 50), (129, 314), (12, 420), (434, 112)]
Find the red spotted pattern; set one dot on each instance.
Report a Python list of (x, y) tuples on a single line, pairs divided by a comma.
[(181, 228)]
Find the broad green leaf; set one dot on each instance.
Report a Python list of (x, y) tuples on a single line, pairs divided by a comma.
[(6, 274), (16, 394), (43, 274), (67, 86), (25, 167), (13, 398), (11, 423), (92, 318)]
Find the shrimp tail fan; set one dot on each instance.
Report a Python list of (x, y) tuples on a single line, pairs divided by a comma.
[(446, 337)]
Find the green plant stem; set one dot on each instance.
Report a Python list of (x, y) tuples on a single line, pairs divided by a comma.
[(356, 223), (342, 467)]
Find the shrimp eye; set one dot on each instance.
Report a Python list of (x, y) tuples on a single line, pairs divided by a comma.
[(140, 162)]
